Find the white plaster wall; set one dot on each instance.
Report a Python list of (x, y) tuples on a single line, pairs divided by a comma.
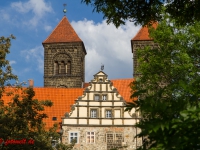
[(118, 104), (106, 122), (94, 103), (129, 121), (82, 103), (117, 113), (85, 97), (70, 121), (82, 112), (94, 121), (103, 87), (118, 121), (115, 97), (82, 121), (106, 103), (97, 87), (74, 113)]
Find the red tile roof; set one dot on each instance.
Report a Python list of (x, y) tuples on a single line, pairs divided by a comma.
[(63, 98), (143, 33), (63, 32)]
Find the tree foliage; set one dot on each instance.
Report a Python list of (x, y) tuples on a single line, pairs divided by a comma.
[(168, 88), (22, 119), (6, 74), (144, 11)]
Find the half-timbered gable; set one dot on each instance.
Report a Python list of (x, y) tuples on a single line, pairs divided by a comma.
[(98, 119)]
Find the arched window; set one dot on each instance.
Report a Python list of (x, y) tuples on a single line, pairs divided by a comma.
[(56, 68), (68, 67), (62, 68)]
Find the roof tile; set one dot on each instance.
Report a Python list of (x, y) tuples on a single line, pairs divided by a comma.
[(143, 33), (63, 33)]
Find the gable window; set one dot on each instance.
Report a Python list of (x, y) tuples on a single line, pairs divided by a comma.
[(96, 97), (73, 136), (108, 113), (104, 97), (93, 113), (90, 137)]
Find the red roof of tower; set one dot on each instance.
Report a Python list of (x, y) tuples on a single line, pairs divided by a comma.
[(63, 33), (143, 34)]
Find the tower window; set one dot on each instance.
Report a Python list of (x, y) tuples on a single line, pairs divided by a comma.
[(68, 67), (56, 68), (62, 67)]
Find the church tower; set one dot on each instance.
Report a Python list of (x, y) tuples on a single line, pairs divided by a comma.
[(141, 40), (64, 57)]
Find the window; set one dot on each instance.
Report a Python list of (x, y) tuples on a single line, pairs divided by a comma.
[(73, 136), (56, 70), (54, 118), (100, 80), (108, 113), (96, 97), (68, 67), (104, 97), (90, 137), (62, 67), (93, 113), (114, 140)]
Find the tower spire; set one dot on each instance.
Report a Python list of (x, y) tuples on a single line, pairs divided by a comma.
[(64, 10)]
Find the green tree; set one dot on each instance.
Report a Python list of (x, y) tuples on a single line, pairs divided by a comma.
[(21, 120), (6, 75), (144, 11), (168, 88)]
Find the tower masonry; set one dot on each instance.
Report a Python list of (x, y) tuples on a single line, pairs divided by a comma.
[(64, 57)]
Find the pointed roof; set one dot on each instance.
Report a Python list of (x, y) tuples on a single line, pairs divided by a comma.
[(63, 33), (143, 34)]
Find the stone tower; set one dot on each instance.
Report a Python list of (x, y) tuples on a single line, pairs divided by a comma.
[(139, 41), (64, 57)]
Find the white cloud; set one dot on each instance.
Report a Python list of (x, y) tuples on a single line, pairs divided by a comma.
[(34, 56), (47, 28), (38, 7), (107, 45), (12, 62)]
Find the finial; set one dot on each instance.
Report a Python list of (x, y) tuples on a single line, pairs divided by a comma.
[(102, 67), (64, 10)]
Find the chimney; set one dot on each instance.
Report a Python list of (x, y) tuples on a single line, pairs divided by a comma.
[(31, 83)]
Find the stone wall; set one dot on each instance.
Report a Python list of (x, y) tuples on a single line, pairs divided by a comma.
[(73, 52), (128, 133)]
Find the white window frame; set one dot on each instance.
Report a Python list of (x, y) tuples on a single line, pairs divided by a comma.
[(104, 97), (108, 113), (90, 137), (74, 134), (93, 113)]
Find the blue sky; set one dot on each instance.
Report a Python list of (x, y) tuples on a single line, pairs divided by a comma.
[(31, 22)]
